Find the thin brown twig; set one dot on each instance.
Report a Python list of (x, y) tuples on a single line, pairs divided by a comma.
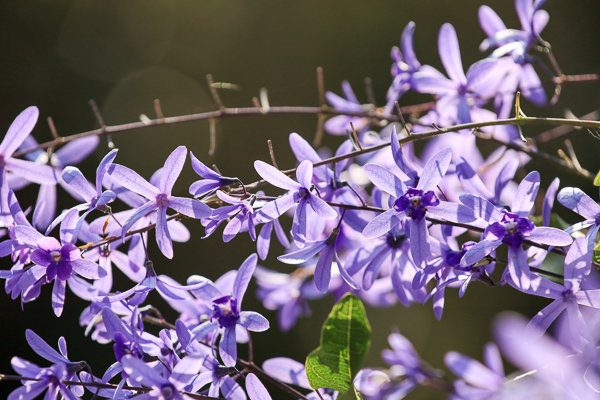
[(214, 92), (272, 153)]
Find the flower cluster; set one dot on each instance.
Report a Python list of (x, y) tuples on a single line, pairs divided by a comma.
[(382, 222)]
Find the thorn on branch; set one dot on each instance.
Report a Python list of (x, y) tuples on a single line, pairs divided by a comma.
[(369, 90), (321, 87), (272, 153), (214, 92), (437, 128), (52, 128), (212, 126), (96, 111), (158, 110), (264, 101), (408, 132), (355, 137)]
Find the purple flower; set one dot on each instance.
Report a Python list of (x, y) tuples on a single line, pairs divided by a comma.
[(300, 192), (511, 228), (323, 269), (240, 214), (162, 388), (479, 382), (55, 259), (33, 172), (227, 314), (569, 297), (287, 293), (49, 378), (413, 203), (160, 197), (460, 95), (95, 198), (517, 44), (576, 200), (256, 390)]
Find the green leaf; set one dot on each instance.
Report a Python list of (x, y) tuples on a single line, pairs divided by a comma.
[(597, 179), (345, 341)]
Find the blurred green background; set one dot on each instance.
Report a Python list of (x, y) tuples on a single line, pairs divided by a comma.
[(58, 54)]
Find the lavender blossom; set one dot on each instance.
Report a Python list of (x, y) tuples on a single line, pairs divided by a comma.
[(160, 197), (512, 228), (414, 203), (298, 192), (211, 180), (575, 199)]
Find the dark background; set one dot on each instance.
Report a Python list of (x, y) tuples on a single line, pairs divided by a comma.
[(58, 54)]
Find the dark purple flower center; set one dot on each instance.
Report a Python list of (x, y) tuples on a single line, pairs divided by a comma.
[(597, 219), (511, 229), (453, 258), (162, 200), (414, 202), (395, 241), (567, 294), (56, 256), (225, 310), (303, 192), (124, 347), (167, 391)]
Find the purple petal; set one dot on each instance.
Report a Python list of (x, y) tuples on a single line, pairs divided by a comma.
[(173, 167), (243, 277), (304, 173), (304, 151), (253, 321), (275, 176), (477, 252), (531, 86), (263, 241), (549, 201), (450, 54), (42, 348), (406, 41), (526, 193), (385, 180), (481, 208), (344, 274), (518, 267), (190, 207), (472, 371), (323, 269), (419, 242), (550, 236), (203, 170), (470, 181), (140, 373), (287, 370), (132, 181), (480, 72), (228, 347), (88, 269), (589, 298), (102, 167), (426, 83), (256, 390), (321, 208), (401, 160), (204, 186), (58, 296), (382, 224), (33, 172), (137, 215), (163, 238), (373, 268), (299, 224), (506, 175), (490, 21), (275, 208), (20, 128), (76, 151), (578, 201), (452, 212), (303, 255), (542, 320), (492, 358), (28, 392), (525, 13), (577, 264), (434, 170), (29, 236)]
